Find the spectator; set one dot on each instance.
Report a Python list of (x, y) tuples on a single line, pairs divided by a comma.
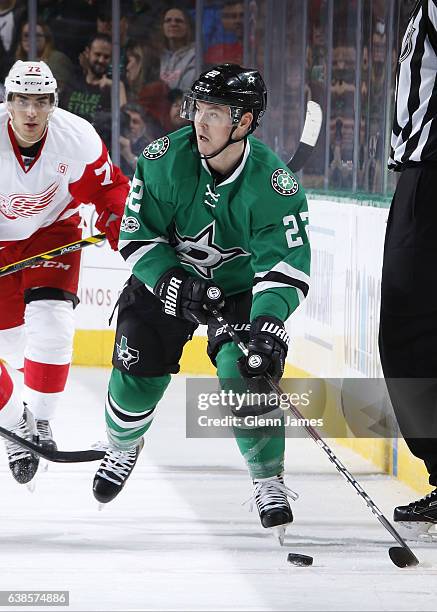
[(90, 95), (143, 83), (104, 26), (342, 119), (226, 44), (11, 16), (59, 63), (72, 24), (175, 98), (178, 58), (137, 131), (144, 15), (142, 66)]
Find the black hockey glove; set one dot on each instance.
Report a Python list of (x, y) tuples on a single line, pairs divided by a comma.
[(188, 297), (268, 346)]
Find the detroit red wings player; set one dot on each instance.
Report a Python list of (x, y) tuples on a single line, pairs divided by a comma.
[(51, 161)]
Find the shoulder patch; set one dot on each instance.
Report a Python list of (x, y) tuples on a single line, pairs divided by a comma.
[(129, 224), (284, 183), (157, 148)]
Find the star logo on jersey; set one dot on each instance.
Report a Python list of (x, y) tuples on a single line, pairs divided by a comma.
[(202, 253), (284, 183), (126, 354), (27, 204), (157, 148)]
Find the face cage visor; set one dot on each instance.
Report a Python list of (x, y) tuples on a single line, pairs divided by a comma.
[(210, 113)]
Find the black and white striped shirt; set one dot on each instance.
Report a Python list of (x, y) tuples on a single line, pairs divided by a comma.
[(414, 135)]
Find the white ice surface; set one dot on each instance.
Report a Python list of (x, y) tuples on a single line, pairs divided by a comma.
[(178, 538)]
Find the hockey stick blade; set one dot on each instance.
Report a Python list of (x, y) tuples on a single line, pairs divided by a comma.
[(310, 135), (53, 455), (401, 556)]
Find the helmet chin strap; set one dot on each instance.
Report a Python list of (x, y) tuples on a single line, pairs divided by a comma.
[(227, 143)]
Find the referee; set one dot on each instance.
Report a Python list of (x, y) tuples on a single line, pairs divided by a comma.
[(408, 323)]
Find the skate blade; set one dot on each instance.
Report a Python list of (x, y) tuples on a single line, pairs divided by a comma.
[(279, 533), (44, 465), (417, 531), (30, 486), (100, 506)]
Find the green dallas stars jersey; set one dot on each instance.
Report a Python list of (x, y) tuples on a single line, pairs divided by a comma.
[(247, 232)]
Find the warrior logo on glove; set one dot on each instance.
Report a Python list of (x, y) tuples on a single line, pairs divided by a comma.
[(268, 346)]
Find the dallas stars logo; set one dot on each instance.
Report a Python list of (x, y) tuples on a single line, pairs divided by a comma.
[(126, 354), (284, 183), (202, 253), (157, 148)]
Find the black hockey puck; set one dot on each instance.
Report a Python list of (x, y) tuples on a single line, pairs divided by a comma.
[(300, 560)]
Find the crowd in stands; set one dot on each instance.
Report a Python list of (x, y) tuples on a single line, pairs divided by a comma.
[(157, 58)]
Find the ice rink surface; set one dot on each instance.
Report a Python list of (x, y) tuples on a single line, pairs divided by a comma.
[(179, 538)]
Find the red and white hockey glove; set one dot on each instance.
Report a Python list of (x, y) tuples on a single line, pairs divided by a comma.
[(109, 222)]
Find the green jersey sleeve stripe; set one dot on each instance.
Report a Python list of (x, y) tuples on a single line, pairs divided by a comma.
[(285, 274), (268, 286), (276, 278), (133, 250)]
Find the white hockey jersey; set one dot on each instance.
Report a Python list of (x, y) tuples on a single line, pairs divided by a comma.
[(72, 167)]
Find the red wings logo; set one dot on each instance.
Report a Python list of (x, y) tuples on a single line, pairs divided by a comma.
[(27, 204)]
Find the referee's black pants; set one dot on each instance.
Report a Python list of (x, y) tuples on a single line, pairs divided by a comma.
[(408, 323)]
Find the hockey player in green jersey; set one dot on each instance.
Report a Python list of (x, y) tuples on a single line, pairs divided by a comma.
[(214, 219)]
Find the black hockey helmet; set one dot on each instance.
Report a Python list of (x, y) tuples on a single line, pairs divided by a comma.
[(242, 89)]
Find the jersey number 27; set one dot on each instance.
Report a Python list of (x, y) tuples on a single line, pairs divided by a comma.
[(292, 234)]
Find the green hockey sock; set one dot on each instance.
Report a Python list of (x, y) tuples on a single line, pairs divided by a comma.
[(130, 406), (262, 447)]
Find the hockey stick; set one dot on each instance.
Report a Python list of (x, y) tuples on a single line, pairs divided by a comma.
[(310, 135), (53, 455), (62, 250), (401, 556)]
